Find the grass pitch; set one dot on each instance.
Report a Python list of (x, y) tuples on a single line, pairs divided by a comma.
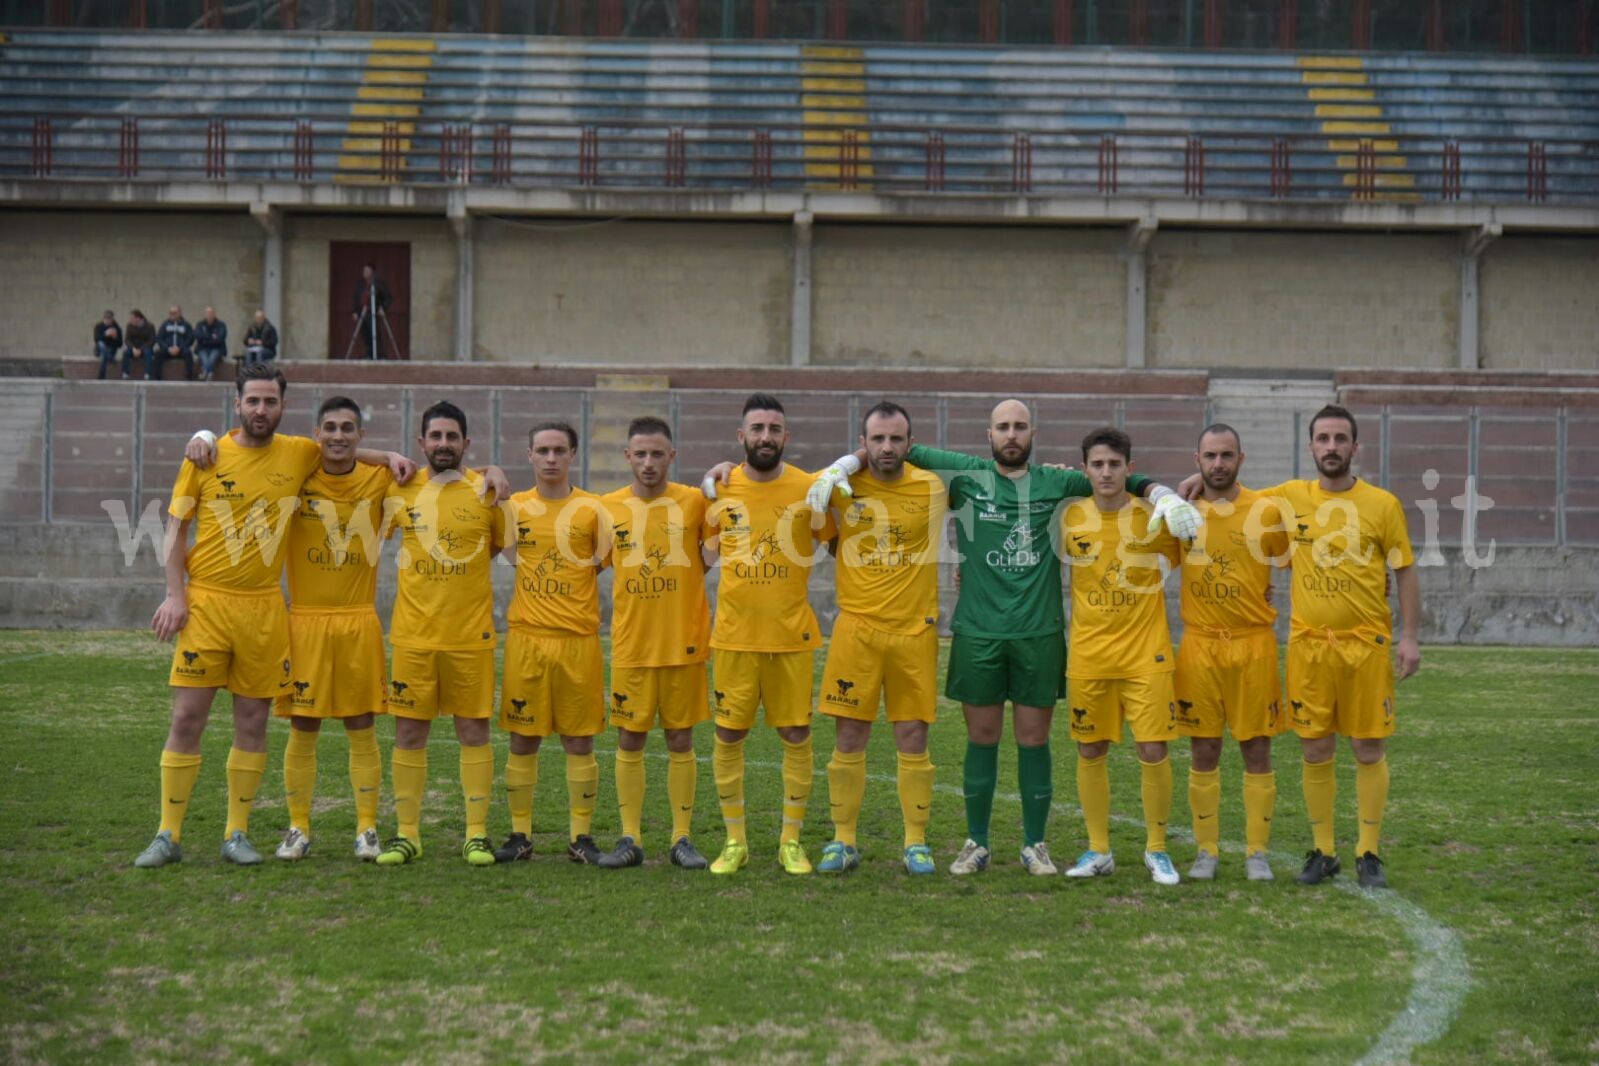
[(1487, 949)]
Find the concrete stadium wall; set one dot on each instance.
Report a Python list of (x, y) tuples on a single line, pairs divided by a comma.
[(976, 297), (625, 292), (1541, 303), (74, 577), (60, 269), (1303, 299)]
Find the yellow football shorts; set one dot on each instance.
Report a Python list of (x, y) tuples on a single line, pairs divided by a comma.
[(780, 681), (552, 684), (234, 639), (338, 663), (427, 683), (1229, 680), (1098, 706), (866, 664), (1343, 684), (674, 695)]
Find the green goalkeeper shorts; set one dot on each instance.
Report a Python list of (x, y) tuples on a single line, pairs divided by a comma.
[(1026, 670)]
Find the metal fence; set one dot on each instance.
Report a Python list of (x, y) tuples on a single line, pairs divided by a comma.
[(80, 445)]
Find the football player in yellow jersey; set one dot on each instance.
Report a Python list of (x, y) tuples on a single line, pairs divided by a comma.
[(224, 604), (660, 636), (766, 635), (554, 668), (1121, 662), (1227, 662), (885, 641), (337, 639), (1347, 534), (443, 633)]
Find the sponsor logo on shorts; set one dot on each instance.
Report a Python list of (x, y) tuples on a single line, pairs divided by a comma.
[(187, 668), (300, 699), (517, 707), (1078, 725), (619, 706), (720, 696), (842, 698)]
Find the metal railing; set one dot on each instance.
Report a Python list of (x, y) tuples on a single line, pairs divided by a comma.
[(1246, 163)]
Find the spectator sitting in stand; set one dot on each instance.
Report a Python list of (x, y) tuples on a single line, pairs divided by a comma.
[(140, 343), (107, 341), (174, 340), (210, 342), (260, 340)]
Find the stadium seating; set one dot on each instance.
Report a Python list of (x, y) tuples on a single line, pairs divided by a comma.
[(552, 111)]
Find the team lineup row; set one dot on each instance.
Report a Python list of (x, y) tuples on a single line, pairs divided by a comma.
[(881, 513)]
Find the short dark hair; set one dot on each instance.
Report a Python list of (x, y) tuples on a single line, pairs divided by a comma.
[(444, 409), (648, 425), (1112, 438), (558, 426), (1219, 427), (258, 372), (136, 311), (761, 401), (1333, 410), (888, 408), (340, 403)]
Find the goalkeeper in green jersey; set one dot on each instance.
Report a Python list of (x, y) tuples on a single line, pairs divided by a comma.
[(1009, 623)]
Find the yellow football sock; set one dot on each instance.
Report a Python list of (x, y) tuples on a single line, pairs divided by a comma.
[(1204, 799), (915, 779), (846, 787), (299, 778), (244, 777), (1321, 794), (682, 779), (630, 792), (366, 776), (178, 774), (408, 770), (799, 769), (477, 784), (727, 764), (1156, 780), (1260, 799), (1371, 798), (521, 778), (582, 785), (1093, 795)]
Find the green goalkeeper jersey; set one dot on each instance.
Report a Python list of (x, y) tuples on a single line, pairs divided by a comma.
[(1006, 530)]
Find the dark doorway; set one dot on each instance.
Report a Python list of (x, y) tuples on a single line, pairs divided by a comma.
[(392, 261)]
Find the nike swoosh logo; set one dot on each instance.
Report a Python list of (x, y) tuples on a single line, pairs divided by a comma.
[(796, 799), (477, 799), (246, 799), (366, 790), (1202, 817), (588, 795), (174, 801), (690, 808), (921, 806)]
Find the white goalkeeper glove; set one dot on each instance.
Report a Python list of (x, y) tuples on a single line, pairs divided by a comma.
[(1176, 513), (834, 477)]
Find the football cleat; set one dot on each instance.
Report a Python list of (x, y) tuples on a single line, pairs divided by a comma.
[(1204, 868), (735, 856), (398, 850), (686, 855), (163, 850), (1036, 860), (972, 859), (838, 857), (583, 850), (238, 850), (1368, 869), (478, 851), (517, 848), (626, 853), (791, 856), (1318, 868), (295, 846), (1092, 864), (1161, 870), (919, 860), (367, 847), (1257, 868)]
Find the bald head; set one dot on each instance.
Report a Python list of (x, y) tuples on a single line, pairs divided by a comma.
[(1010, 434)]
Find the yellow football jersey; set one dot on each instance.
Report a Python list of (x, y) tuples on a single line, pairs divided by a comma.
[(558, 553), (335, 538), (445, 599), (242, 507), (1343, 545), (1118, 626), (888, 541), (659, 615), (763, 532), (1226, 574)]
